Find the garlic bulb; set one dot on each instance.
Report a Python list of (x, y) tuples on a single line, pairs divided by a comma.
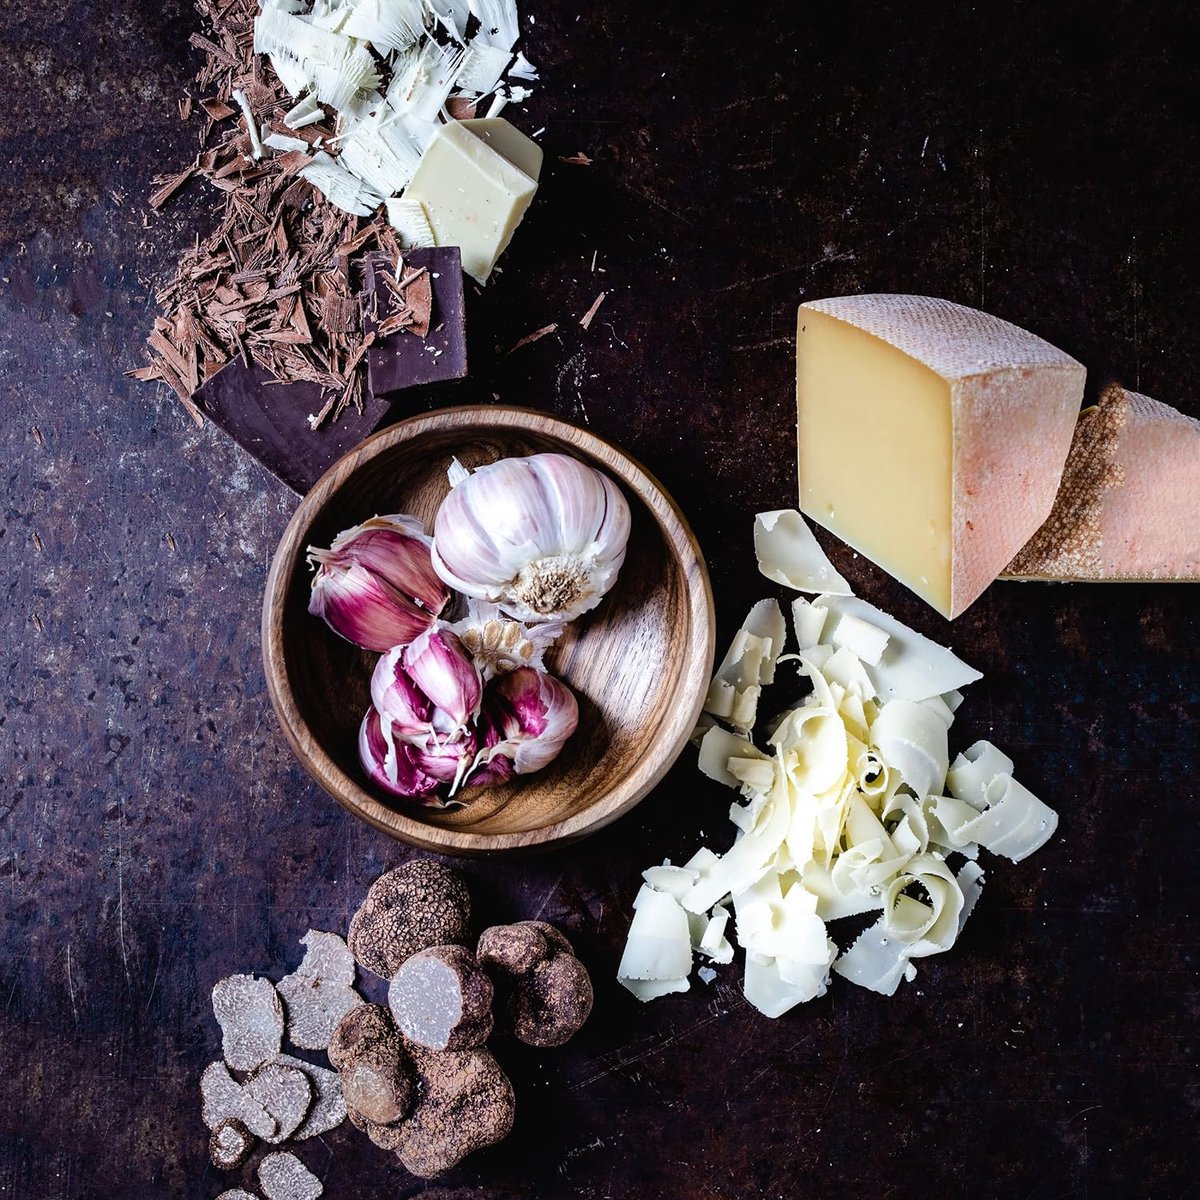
[(543, 537), (375, 586), (527, 717)]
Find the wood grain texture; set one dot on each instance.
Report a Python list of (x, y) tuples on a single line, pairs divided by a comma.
[(158, 833), (639, 664)]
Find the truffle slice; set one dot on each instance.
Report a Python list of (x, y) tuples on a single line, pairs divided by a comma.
[(378, 1081), (237, 1194), (546, 990), (251, 1019), (441, 999), (466, 1103), (283, 1176), (285, 1093), (418, 905), (328, 1109), (222, 1096), (230, 1144), (318, 994)]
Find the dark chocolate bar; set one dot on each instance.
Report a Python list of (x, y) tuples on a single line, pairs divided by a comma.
[(270, 420), (404, 360)]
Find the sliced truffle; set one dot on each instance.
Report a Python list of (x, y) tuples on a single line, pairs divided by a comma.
[(378, 1080), (237, 1194), (282, 1176), (546, 990), (222, 1097), (319, 993), (285, 1093), (418, 905), (250, 1014), (466, 1103), (230, 1144), (328, 1109), (441, 999)]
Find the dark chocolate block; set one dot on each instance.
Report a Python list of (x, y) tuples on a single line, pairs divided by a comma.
[(270, 420), (404, 360)]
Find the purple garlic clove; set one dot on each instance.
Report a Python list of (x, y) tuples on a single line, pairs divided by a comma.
[(430, 690), (375, 586), (527, 717), (425, 775)]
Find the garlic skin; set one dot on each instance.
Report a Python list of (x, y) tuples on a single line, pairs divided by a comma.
[(375, 586), (499, 643), (428, 691), (425, 775), (526, 719), (543, 537)]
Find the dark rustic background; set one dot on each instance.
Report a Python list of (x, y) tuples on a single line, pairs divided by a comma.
[(1038, 160)]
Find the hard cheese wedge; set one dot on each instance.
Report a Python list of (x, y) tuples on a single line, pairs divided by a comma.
[(1129, 504), (475, 182), (931, 437)]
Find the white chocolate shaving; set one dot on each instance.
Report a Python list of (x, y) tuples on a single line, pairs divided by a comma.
[(339, 187), (332, 52), (789, 553), (411, 223)]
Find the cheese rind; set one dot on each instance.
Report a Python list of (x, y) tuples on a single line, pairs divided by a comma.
[(1129, 504), (931, 437)]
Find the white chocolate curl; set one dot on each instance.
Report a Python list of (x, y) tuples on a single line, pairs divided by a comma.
[(543, 537)]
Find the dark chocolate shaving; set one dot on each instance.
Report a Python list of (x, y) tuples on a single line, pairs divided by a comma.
[(277, 283)]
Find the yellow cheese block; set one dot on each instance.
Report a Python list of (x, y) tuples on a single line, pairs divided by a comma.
[(931, 437), (1129, 504), (475, 181)]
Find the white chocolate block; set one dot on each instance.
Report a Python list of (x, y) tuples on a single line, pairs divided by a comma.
[(475, 180), (931, 437)]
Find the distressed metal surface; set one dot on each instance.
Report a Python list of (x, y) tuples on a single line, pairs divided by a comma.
[(155, 833)]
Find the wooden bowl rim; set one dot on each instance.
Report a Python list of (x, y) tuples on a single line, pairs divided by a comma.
[(613, 803)]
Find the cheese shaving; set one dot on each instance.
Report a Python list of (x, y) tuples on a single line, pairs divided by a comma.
[(789, 553), (842, 814)]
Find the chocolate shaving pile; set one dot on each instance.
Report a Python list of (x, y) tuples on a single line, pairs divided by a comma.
[(279, 280)]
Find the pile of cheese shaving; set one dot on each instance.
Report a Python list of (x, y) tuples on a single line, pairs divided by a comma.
[(433, 53), (854, 806)]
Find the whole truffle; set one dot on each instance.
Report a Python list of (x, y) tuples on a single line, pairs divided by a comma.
[(378, 1080), (551, 1004), (547, 993), (466, 1103), (418, 905), (517, 949), (441, 999)]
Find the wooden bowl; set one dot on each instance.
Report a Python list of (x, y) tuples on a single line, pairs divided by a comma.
[(639, 664)]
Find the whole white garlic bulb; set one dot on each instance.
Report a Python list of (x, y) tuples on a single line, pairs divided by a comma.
[(543, 537)]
